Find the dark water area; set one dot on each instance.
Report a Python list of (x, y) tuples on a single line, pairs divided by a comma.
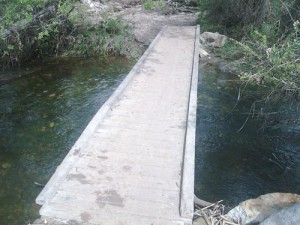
[(44, 107), (235, 166)]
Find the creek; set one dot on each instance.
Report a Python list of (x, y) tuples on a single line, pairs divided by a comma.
[(45, 106), (234, 166)]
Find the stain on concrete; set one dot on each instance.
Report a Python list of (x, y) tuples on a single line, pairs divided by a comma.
[(76, 151), (108, 178), (109, 197), (85, 217), (126, 168), (73, 222), (102, 157), (93, 167), (78, 177), (182, 125)]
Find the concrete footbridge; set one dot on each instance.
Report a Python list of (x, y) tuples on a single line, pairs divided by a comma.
[(134, 162)]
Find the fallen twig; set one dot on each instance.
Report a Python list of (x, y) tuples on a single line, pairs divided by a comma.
[(213, 214)]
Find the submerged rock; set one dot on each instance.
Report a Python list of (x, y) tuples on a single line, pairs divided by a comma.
[(256, 210)]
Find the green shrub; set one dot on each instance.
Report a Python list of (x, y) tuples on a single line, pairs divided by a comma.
[(29, 36), (247, 14), (265, 41), (23, 38), (275, 64), (112, 36), (154, 4)]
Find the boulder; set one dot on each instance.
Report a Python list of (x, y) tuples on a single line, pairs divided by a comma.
[(286, 216), (203, 53), (256, 210), (116, 7), (213, 39)]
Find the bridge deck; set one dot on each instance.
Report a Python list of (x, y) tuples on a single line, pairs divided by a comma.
[(126, 168)]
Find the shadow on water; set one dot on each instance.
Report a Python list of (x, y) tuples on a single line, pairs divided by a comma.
[(44, 108), (236, 166)]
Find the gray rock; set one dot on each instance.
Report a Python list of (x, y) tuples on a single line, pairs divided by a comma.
[(86, 2), (213, 39), (256, 210), (95, 4), (203, 53), (117, 7), (199, 221), (286, 216)]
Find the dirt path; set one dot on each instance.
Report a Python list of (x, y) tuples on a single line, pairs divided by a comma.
[(145, 23)]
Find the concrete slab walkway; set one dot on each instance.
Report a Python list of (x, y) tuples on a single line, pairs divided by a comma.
[(130, 165)]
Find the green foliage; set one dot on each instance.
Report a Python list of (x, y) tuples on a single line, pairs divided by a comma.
[(272, 63), (269, 59), (16, 10), (242, 16), (154, 4), (33, 36), (277, 64), (265, 42), (111, 37), (24, 36)]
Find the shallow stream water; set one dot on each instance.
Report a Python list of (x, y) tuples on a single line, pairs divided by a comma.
[(45, 107), (234, 166)]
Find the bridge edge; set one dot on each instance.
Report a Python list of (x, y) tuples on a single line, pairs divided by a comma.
[(188, 167)]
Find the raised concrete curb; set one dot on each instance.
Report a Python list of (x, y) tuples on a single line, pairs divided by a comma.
[(187, 184), (79, 147)]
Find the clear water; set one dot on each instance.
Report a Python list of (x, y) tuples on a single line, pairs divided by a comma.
[(44, 108), (237, 166)]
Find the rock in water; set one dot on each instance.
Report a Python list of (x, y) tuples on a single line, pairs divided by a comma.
[(256, 210), (286, 216)]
